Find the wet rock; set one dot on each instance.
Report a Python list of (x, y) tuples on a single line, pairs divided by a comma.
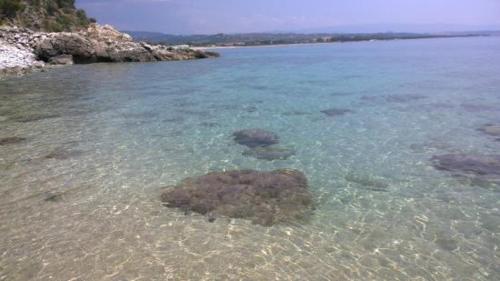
[(265, 198), (61, 60), (491, 129), (270, 153), (255, 138), (11, 140), (332, 112), (479, 167)]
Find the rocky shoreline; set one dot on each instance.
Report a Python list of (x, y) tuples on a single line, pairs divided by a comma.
[(23, 50)]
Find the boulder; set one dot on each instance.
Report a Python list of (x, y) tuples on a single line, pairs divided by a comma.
[(255, 138), (66, 43), (265, 198)]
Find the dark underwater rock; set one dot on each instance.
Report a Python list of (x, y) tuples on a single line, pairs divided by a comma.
[(11, 140), (368, 182), (250, 108), (265, 198), (63, 154), (491, 129), (478, 167), (270, 153), (477, 108), (34, 117), (52, 197), (396, 98), (255, 138), (332, 112), (404, 98), (294, 113)]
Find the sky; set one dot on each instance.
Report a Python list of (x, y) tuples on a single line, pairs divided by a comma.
[(240, 16)]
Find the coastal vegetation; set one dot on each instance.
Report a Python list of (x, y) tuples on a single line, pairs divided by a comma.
[(44, 15)]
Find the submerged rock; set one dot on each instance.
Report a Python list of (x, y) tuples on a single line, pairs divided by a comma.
[(52, 197), (404, 98), (11, 140), (255, 138), (491, 129), (477, 108), (265, 198), (295, 113), (396, 98), (34, 117), (62, 154), (270, 153), (368, 182), (332, 112), (478, 167)]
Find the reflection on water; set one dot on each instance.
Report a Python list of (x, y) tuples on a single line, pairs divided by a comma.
[(86, 150)]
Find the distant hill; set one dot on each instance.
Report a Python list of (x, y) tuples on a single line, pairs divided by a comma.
[(258, 39), (43, 15)]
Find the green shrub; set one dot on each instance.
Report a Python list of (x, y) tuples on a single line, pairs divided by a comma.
[(10, 8)]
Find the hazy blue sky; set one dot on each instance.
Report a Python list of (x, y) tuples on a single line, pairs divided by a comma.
[(213, 16)]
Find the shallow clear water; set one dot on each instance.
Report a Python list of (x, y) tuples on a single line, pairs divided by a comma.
[(79, 198)]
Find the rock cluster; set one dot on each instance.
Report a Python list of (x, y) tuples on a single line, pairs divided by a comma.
[(22, 48), (255, 138), (265, 198), (262, 144), (16, 51)]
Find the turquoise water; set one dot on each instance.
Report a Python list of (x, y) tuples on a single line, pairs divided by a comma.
[(79, 196)]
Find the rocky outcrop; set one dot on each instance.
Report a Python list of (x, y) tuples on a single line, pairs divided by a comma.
[(265, 198), (106, 44), (25, 49)]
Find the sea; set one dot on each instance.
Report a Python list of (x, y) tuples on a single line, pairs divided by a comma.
[(88, 149)]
